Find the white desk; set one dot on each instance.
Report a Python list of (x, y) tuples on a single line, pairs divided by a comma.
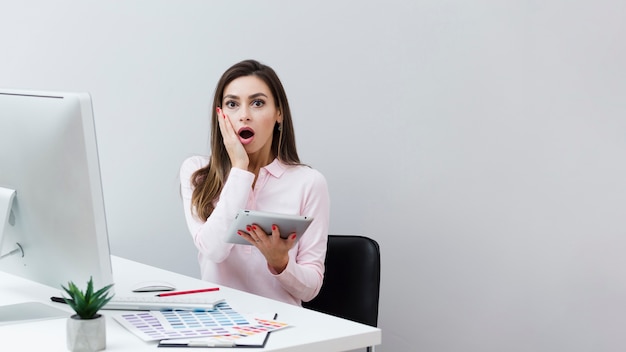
[(308, 331)]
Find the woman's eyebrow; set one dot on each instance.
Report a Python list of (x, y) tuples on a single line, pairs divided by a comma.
[(230, 96), (257, 95), (253, 96)]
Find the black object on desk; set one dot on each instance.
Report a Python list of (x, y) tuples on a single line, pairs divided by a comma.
[(198, 342)]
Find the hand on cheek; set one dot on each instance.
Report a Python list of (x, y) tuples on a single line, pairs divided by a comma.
[(236, 151)]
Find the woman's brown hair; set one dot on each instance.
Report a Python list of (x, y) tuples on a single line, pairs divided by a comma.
[(209, 181)]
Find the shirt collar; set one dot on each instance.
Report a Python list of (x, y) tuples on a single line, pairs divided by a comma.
[(276, 168)]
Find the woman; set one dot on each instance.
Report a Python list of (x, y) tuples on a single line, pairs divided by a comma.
[(254, 165)]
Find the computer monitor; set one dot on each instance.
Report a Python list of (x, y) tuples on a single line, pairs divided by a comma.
[(53, 227)]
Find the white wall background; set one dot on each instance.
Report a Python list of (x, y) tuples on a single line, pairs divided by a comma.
[(481, 143)]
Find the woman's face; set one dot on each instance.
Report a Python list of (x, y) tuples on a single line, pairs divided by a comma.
[(251, 109)]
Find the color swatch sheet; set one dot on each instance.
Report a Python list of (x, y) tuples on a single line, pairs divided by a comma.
[(248, 336), (222, 323)]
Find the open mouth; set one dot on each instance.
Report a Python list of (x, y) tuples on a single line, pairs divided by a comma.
[(246, 133)]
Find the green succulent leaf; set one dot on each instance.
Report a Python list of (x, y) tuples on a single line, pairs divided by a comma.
[(86, 303)]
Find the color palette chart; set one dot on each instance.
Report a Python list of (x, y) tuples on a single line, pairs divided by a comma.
[(254, 335), (223, 322), (261, 326), (222, 317)]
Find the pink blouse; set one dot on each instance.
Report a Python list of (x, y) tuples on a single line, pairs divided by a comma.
[(279, 188)]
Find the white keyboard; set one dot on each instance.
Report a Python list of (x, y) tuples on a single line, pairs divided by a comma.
[(162, 303)]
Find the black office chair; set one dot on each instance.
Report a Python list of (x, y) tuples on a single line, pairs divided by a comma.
[(351, 284)]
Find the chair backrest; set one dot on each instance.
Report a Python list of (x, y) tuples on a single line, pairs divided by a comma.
[(351, 284)]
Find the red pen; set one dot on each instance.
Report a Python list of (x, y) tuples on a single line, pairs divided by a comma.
[(188, 292)]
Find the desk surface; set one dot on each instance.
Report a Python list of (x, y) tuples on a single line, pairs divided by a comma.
[(308, 331)]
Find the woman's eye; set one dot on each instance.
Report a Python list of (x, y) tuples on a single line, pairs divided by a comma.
[(258, 103), (230, 104)]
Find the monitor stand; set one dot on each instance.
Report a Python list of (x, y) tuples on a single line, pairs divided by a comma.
[(28, 312), (7, 196)]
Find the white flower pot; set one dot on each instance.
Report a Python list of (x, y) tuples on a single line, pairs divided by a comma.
[(86, 335)]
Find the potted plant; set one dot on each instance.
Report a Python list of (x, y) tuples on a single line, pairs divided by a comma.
[(86, 330)]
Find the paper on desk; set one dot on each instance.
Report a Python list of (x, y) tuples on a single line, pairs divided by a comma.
[(156, 325), (250, 336)]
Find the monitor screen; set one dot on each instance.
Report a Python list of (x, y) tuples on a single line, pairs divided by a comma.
[(53, 226)]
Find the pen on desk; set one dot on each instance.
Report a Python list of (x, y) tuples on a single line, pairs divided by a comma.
[(188, 292)]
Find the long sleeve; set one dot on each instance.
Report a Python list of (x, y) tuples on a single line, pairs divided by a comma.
[(208, 236), (304, 274)]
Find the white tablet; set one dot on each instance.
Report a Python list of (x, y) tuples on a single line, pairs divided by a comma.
[(287, 224)]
